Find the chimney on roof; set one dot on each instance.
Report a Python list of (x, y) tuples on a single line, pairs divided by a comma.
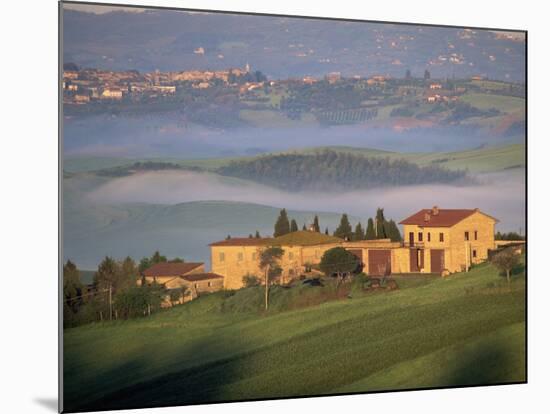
[(427, 217), (435, 210)]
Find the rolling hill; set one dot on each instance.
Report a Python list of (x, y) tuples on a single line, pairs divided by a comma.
[(92, 232), (479, 160), (464, 330)]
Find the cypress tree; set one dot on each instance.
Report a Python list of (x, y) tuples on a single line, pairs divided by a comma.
[(257, 234), (370, 235), (282, 226), (304, 227), (293, 226), (392, 231), (326, 231), (380, 224), (344, 229), (359, 233), (316, 224)]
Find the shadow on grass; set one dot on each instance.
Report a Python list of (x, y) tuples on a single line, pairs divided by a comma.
[(487, 365), (203, 383)]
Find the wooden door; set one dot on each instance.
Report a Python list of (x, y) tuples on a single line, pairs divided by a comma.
[(437, 260), (379, 262)]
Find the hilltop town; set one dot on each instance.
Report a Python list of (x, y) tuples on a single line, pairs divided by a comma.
[(245, 97)]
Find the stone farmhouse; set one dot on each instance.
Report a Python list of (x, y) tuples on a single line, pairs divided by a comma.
[(437, 240), (190, 276)]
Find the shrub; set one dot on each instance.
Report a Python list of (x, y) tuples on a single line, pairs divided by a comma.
[(250, 280)]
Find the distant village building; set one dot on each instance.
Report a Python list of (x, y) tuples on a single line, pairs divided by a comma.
[(111, 93), (165, 89), (333, 77), (436, 86), (309, 80), (199, 51)]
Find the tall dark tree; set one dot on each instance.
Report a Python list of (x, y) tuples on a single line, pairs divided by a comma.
[(72, 288), (282, 225), (427, 75), (316, 224), (408, 74), (304, 227), (257, 235), (326, 231), (371, 233), (293, 226), (359, 233), (107, 274), (157, 258), (344, 229), (380, 224), (129, 273), (392, 231)]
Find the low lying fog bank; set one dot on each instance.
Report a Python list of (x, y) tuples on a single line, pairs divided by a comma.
[(501, 195), (164, 136)]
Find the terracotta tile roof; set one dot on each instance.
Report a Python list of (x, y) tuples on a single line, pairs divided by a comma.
[(438, 217), (170, 269), (194, 277), (243, 241)]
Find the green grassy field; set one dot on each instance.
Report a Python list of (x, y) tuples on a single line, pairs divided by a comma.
[(503, 103), (463, 330), (489, 159)]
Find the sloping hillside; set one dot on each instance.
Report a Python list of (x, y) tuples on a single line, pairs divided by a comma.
[(466, 329), (181, 230)]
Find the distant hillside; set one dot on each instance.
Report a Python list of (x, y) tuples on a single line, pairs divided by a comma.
[(337, 170), (184, 230), (478, 160)]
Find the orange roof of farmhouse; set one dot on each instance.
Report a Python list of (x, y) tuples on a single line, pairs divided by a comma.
[(170, 269), (439, 217), (194, 277), (296, 238)]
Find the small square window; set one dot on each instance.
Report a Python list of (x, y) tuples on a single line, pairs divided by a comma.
[(474, 253), (466, 235), (441, 237), (420, 236)]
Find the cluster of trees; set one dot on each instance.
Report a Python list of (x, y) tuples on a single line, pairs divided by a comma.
[(256, 76), (512, 235), (116, 291), (379, 228), (333, 170), (284, 225)]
